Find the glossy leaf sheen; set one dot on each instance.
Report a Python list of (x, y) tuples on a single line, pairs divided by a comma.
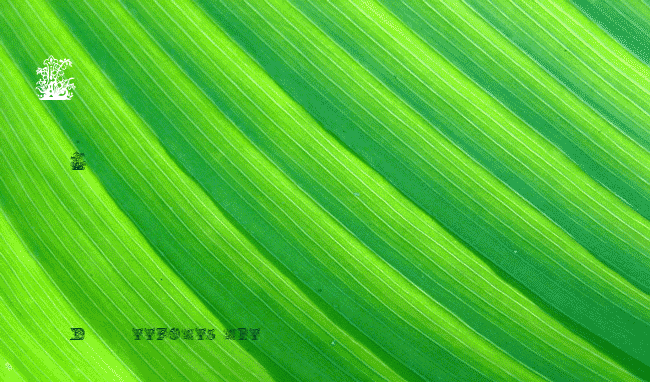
[(389, 190)]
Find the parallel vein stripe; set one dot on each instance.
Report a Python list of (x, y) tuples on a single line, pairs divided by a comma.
[(104, 255), (262, 89), (161, 89), (33, 318), (488, 38), (200, 48), (145, 300), (641, 74), (390, 266), (378, 102), (624, 128), (80, 359), (535, 153), (51, 229), (559, 97)]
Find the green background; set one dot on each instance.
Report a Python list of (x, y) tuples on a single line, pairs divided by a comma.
[(390, 190)]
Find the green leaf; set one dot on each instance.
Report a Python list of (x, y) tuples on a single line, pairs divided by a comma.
[(387, 190)]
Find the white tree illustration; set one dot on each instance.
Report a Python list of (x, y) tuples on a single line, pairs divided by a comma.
[(52, 85)]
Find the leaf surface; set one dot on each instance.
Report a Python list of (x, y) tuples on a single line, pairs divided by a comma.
[(418, 190)]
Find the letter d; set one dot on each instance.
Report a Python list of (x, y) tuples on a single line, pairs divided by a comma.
[(79, 334)]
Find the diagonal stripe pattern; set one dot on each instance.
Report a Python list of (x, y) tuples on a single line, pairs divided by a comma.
[(390, 190)]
